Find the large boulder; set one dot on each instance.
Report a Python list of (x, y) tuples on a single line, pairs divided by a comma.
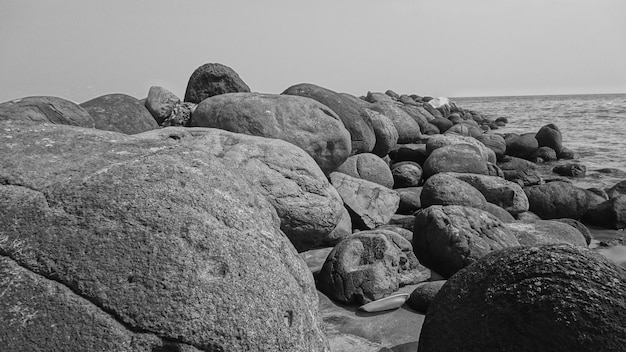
[(352, 114), (308, 206), (410, 200), (494, 142), (45, 109), (550, 136), (496, 190), (545, 232), (448, 238), (301, 121), (524, 146), (369, 203), (213, 79), (167, 240), (406, 174), (120, 113), (438, 141), (455, 158), (385, 132), (369, 167), (419, 114), (520, 171), (408, 129), (609, 214), (445, 189), (160, 103), (557, 200), (424, 294), (570, 169), (617, 189), (368, 266), (549, 298)]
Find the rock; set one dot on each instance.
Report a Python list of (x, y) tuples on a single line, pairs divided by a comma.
[(524, 146), (342, 230), (301, 121), (392, 94), (520, 171), (45, 109), (439, 141), (498, 212), (542, 294), (409, 200), (403, 221), (409, 152), (502, 119), (458, 129), (308, 206), (419, 114), (424, 294), (578, 226), (406, 174), (617, 190), (165, 239), (448, 238), (442, 123), (610, 214), (370, 204), (213, 79), (160, 103), (545, 232), (352, 114), (445, 189), (407, 100), (408, 129), (368, 266), (385, 132), (572, 170), (494, 142), (407, 234), (498, 191), (368, 167), (546, 154), (120, 113), (373, 97), (557, 200), (434, 112), (180, 115), (528, 216), (455, 158), (550, 136), (431, 129), (567, 153)]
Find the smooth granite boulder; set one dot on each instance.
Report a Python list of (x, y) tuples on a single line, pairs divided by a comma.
[(546, 154), (498, 212), (376, 97), (300, 121), (524, 146), (419, 114), (408, 129), (368, 266), (424, 294), (445, 189), (609, 214), (557, 200), (410, 199), (584, 230), (558, 298), (160, 103), (409, 152), (368, 167), (442, 123), (165, 239), (496, 190), (213, 79), (45, 109), (550, 136), (369, 203), (385, 132), (520, 171), (438, 141), (406, 174), (308, 206), (120, 113), (448, 238), (461, 158), (546, 232), (352, 114)]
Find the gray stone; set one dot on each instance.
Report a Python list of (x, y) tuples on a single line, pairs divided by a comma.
[(160, 103), (455, 158), (557, 200), (424, 294), (368, 167), (213, 79), (408, 130), (546, 232), (496, 190), (406, 174), (45, 109), (120, 113), (445, 189)]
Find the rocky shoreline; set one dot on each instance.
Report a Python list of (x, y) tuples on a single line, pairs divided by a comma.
[(241, 221)]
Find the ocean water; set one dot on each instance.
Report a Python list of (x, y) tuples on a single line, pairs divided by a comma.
[(594, 126)]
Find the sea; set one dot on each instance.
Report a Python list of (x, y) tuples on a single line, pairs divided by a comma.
[(592, 125)]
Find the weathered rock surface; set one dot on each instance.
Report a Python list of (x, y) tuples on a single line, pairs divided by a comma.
[(498, 212), (448, 238), (520, 171), (409, 152), (438, 141), (301, 121), (120, 113), (530, 299), (572, 170), (424, 294), (546, 232), (352, 114), (213, 79), (524, 146), (163, 238), (550, 136), (578, 226), (370, 204), (617, 190), (496, 190), (407, 127), (368, 266), (368, 167), (410, 199), (385, 132), (494, 142), (160, 103), (557, 200), (445, 189), (609, 214), (45, 109), (406, 174), (455, 158), (308, 206)]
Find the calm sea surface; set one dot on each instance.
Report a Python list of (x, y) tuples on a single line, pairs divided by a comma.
[(594, 126)]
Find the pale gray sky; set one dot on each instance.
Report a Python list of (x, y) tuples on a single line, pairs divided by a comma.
[(80, 49)]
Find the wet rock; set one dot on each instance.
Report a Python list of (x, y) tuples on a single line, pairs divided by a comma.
[(524, 146), (213, 79), (45, 109), (368, 266), (572, 170), (120, 113), (406, 174), (409, 199), (520, 171), (445, 189), (617, 190), (542, 293), (557, 200), (546, 154), (546, 232), (550, 136), (494, 142), (610, 214), (567, 153), (424, 294), (578, 226), (448, 238), (368, 167)]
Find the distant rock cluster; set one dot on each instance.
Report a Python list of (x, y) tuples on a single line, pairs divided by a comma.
[(168, 225)]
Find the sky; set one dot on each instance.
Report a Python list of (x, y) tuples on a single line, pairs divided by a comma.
[(82, 49)]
